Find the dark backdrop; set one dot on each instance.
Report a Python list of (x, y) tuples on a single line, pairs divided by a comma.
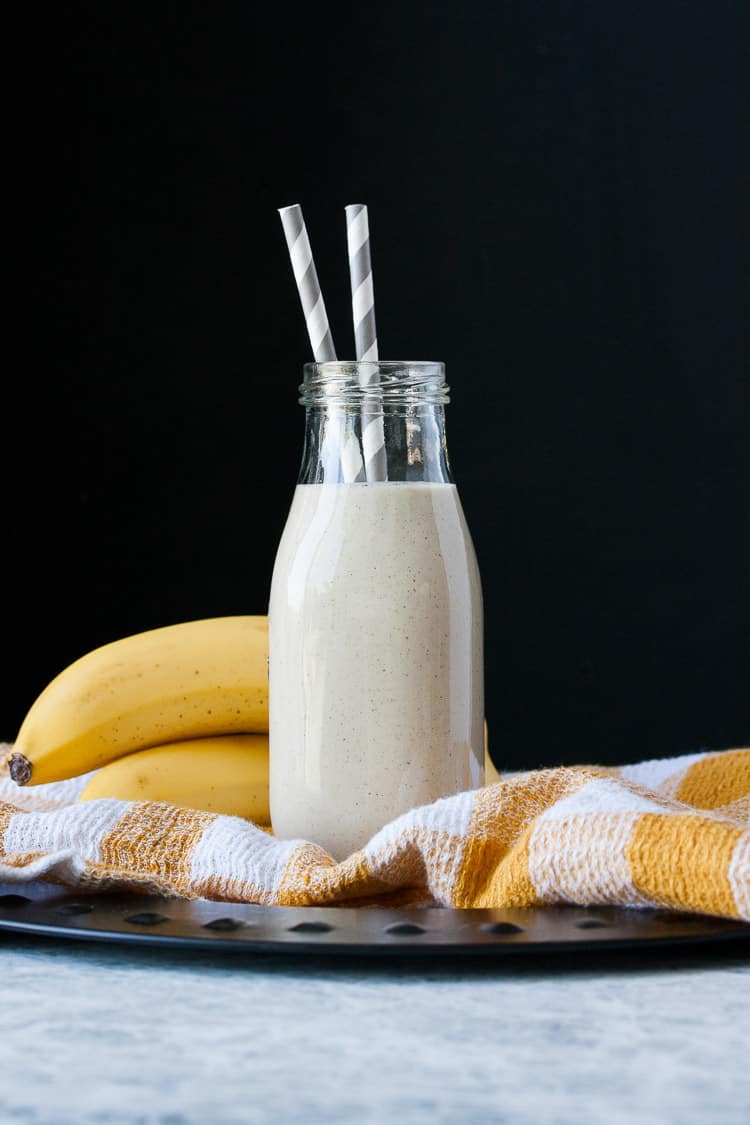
[(558, 202)]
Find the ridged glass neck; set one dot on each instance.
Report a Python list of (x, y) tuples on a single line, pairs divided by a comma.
[(397, 384), (374, 422)]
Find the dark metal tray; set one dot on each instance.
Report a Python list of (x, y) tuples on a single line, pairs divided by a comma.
[(151, 920)]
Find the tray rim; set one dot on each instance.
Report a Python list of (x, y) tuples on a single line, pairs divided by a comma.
[(260, 947), (649, 927)]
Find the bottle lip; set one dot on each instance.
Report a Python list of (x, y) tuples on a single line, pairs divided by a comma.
[(387, 382), (346, 368)]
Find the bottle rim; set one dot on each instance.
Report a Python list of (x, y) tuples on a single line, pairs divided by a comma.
[(387, 382), (346, 367)]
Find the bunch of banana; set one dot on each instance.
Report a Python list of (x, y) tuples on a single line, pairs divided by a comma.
[(176, 714)]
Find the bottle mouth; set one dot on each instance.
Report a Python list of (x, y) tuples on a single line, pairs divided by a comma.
[(374, 383)]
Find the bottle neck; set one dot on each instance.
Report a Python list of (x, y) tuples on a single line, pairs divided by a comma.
[(368, 423), (347, 446)]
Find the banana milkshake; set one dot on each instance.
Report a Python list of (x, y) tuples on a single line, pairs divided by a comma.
[(376, 664), (375, 689)]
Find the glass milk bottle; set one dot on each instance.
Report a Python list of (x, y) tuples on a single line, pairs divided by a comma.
[(376, 685)]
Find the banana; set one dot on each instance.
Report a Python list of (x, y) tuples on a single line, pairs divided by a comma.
[(227, 774), (188, 680), (491, 776)]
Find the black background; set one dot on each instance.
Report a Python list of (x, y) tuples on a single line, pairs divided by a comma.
[(558, 201)]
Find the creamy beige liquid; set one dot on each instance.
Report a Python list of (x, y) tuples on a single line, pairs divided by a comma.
[(376, 665)]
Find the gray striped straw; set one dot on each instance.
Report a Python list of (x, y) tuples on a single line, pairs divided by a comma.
[(365, 335), (308, 286), (337, 446)]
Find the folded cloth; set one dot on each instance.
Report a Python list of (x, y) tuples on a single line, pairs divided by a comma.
[(672, 833)]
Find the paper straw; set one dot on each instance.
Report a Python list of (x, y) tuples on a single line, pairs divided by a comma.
[(365, 334), (337, 446), (308, 286), (360, 271)]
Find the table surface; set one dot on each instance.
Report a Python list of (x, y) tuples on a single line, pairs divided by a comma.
[(116, 1034)]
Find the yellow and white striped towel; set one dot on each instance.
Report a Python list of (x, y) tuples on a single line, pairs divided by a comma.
[(672, 832)]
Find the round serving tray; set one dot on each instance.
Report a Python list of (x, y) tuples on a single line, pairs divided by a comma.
[(152, 920)]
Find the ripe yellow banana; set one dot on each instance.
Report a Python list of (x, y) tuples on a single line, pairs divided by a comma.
[(491, 776), (227, 774), (189, 680)]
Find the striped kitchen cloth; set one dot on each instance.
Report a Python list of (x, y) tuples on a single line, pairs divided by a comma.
[(672, 833)]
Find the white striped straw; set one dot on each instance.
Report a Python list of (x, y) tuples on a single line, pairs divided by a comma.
[(365, 335), (308, 286), (360, 272), (319, 333)]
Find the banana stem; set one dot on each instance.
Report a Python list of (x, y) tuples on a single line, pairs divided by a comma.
[(19, 768)]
